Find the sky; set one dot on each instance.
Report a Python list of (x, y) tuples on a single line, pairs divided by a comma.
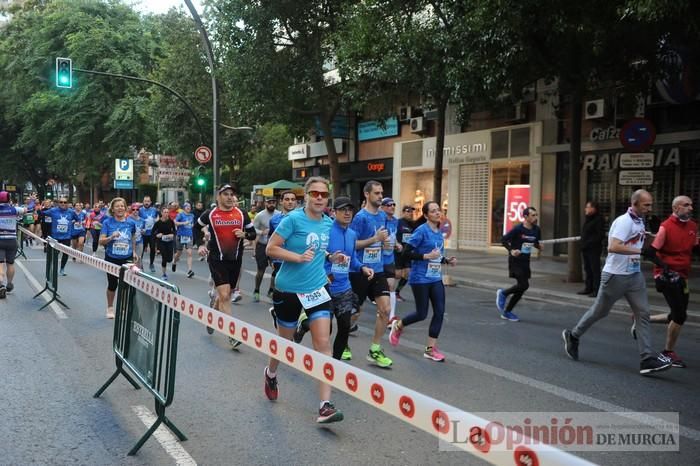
[(161, 6)]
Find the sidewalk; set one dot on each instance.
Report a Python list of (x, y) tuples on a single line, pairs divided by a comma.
[(489, 270)]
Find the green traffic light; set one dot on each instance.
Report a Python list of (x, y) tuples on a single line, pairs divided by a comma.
[(200, 182)]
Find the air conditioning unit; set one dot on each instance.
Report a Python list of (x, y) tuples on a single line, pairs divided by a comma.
[(418, 125), (593, 109), (405, 113)]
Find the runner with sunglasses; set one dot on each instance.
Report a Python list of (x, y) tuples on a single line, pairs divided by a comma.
[(403, 234), (389, 247), (300, 241)]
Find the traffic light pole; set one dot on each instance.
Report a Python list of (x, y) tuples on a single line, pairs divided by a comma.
[(215, 109), (135, 78)]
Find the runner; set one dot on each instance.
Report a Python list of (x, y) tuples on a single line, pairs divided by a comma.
[(185, 239), (261, 222), (28, 218), (519, 242), (78, 234), (45, 220), (149, 214), (425, 249), (164, 232), (227, 227), (95, 219), (289, 203), (62, 220), (300, 241), (370, 226), (389, 248), (118, 236), (8, 242), (403, 234)]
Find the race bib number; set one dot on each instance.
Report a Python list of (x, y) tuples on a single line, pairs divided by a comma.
[(185, 239), (120, 248), (388, 245), (313, 299), (166, 238), (372, 255), (406, 237), (150, 221), (526, 248), (434, 270), (48, 219), (77, 226), (62, 228), (633, 265), (341, 267)]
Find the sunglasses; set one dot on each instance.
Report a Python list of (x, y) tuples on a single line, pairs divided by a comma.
[(389, 205), (323, 194), (409, 210), (345, 210), (63, 202)]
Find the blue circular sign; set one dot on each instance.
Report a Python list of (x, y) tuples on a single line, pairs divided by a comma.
[(638, 134)]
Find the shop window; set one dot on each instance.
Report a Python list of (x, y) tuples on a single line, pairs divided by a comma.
[(499, 144), (512, 173)]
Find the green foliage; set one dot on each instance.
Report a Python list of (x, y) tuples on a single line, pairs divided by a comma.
[(266, 159)]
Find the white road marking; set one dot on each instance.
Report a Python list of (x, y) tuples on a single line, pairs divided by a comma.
[(560, 392), (167, 440), (35, 284)]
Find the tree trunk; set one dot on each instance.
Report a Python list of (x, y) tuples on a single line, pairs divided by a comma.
[(333, 163), (574, 259), (439, 146)]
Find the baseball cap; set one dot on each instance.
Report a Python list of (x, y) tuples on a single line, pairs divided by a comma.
[(270, 198), (342, 201), (387, 201), (4, 196), (224, 187)]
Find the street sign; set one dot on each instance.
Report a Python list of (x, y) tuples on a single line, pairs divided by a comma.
[(123, 184), (638, 134), (202, 154), (123, 170), (637, 160), (636, 177)]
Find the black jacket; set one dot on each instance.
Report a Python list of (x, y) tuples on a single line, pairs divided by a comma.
[(592, 233)]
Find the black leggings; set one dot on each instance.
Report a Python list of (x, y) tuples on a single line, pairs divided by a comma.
[(95, 235), (517, 290), (166, 251), (424, 295), (343, 305), (64, 256)]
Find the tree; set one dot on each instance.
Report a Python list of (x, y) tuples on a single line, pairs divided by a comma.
[(275, 58), (266, 159)]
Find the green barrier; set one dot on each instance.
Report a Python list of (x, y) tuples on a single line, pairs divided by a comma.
[(20, 245), (51, 275), (145, 342)]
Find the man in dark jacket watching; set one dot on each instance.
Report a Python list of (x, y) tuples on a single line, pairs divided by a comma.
[(591, 248)]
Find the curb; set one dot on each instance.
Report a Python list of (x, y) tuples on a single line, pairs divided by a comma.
[(622, 306)]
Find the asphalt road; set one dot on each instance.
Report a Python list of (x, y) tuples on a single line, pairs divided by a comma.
[(52, 362)]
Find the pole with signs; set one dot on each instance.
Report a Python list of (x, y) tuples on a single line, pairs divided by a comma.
[(123, 174)]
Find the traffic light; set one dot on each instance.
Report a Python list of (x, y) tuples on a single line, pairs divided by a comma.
[(200, 182), (64, 73), (200, 177)]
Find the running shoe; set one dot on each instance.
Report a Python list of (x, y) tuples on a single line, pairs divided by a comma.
[(10, 287), (378, 357), (256, 297), (3, 291), (328, 414), (570, 344), (201, 259), (395, 333), (508, 315), (501, 300), (633, 328), (164, 277), (399, 298), (234, 343), (236, 296), (62, 272), (273, 314), (373, 302), (174, 266), (152, 269), (347, 354), (654, 364), (210, 330), (434, 354), (269, 293), (190, 274), (353, 329), (676, 361), (302, 328), (271, 390), (391, 321), (110, 313)]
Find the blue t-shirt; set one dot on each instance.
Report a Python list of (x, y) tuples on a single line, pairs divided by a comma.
[(185, 230), (139, 223), (299, 233), (78, 224), (119, 248), (61, 222), (366, 225), (392, 226), (149, 215), (342, 240), (424, 240), (274, 223)]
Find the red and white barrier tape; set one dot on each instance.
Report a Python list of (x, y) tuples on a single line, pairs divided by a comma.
[(32, 235), (428, 414)]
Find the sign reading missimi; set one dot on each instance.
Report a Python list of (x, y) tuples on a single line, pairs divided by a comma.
[(123, 170)]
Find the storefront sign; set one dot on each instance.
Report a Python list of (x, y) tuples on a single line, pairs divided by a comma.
[(375, 167), (636, 177), (641, 160), (379, 168), (377, 129), (517, 200), (318, 149), (663, 157), (339, 127), (604, 134), (298, 152), (462, 154)]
